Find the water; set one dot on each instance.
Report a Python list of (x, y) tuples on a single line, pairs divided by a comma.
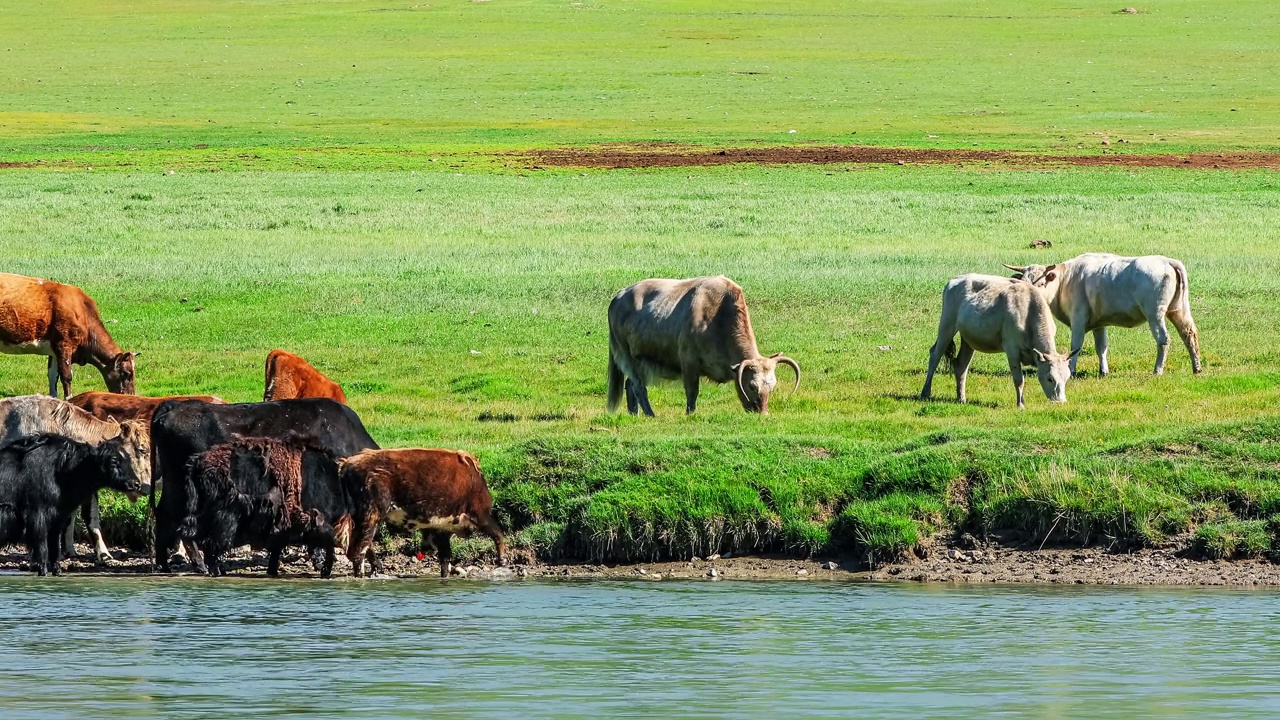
[(189, 647)]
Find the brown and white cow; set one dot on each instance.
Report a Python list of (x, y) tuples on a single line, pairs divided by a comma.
[(42, 317), (289, 377), (441, 492)]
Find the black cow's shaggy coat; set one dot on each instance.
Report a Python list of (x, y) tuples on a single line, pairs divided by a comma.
[(266, 493), (181, 429), (44, 478)]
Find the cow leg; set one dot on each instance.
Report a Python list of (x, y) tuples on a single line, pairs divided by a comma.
[(489, 527), (1077, 342), (55, 550), (38, 541), (1100, 346), (69, 536), (1015, 369), (1186, 328), (64, 371), (326, 569), (444, 550), (935, 357), (691, 376), (375, 562), (164, 540), (53, 376), (633, 406), (642, 397), (1161, 334), (963, 358), (273, 560)]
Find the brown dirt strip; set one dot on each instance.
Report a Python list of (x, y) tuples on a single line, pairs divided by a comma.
[(653, 155)]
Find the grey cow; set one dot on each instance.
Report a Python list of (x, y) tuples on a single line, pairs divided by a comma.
[(996, 314), (1096, 290), (687, 329)]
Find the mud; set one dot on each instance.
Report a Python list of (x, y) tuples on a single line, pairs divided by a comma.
[(988, 564), (659, 155)]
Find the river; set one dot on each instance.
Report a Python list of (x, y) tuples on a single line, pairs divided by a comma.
[(192, 647)]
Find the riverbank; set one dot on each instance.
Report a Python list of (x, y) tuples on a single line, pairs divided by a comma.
[(989, 564)]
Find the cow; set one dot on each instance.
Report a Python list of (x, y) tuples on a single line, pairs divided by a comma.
[(42, 317), (290, 377), (687, 329), (997, 314), (122, 408), (44, 478), (266, 493), (441, 492), (30, 415), (1093, 291), (181, 429)]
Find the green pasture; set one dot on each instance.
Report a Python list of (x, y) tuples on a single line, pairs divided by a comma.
[(374, 83), (468, 310)]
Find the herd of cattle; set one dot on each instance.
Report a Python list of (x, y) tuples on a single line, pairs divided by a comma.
[(299, 468)]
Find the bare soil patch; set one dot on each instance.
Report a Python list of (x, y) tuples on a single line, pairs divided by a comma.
[(659, 155)]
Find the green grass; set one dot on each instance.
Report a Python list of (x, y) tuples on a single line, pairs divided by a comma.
[(344, 186), (468, 311), (252, 82)]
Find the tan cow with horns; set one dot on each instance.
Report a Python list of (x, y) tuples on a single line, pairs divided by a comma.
[(687, 329)]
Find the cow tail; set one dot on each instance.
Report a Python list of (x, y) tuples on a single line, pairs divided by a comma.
[(616, 383), (1182, 293), (948, 355), (269, 381), (187, 528)]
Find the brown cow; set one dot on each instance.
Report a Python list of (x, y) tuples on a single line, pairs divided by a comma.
[(441, 492), (41, 317), (289, 377), (121, 408)]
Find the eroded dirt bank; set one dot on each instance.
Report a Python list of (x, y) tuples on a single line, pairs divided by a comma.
[(947, 565), (657, 155)]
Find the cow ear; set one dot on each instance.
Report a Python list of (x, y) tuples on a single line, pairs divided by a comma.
[(1052, 266), (1040, 356)]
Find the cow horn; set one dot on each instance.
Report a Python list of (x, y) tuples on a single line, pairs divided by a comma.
[(1015, 268), (742, 391), (794, 366)]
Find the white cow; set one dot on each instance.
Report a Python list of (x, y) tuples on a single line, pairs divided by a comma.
[(997, 314), (1095, 290)]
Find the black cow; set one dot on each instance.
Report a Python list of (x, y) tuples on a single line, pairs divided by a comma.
[(181, 429), (266, 493), (45, 478)]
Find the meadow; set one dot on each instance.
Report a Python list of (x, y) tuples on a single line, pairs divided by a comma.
[(224, 183)]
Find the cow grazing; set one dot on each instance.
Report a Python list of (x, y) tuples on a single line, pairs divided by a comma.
[(42, 317), (181, 429), (44, 478), (1095, 290), (687, 329), (441, 492), (29, 415), (266, 493), (123, 408), (995, 314), (290, 377)]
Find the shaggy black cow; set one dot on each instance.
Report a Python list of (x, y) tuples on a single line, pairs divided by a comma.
[(181, 429), (44, 478), (265, 493)]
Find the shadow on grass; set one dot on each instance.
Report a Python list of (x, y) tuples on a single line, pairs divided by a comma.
[(938, 402)]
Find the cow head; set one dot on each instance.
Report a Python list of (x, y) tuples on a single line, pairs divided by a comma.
[(1041, 276), (1053, 371), (116, 466), (119, 374), (135, 437), (755, 379)]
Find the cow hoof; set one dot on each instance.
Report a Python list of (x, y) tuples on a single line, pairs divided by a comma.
[(105, 557)]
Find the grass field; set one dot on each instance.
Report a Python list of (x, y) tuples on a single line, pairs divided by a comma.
[(359, 216)]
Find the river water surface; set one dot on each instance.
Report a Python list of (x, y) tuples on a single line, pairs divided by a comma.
[(190, 647)]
